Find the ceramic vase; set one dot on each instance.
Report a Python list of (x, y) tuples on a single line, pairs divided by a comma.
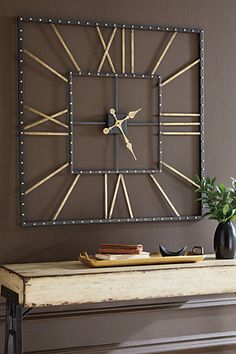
[(225, 241)]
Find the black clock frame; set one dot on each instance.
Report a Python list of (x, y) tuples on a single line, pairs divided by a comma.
[(45, 20), (73, 122)]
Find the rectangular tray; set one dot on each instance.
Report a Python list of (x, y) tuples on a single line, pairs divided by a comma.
[(90, 261)]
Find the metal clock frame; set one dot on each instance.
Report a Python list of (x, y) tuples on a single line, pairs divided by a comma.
[(132, 27)]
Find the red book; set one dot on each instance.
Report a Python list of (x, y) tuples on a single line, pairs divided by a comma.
[(120, 249)]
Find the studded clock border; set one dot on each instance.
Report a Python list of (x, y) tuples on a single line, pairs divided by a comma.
[(46, 20), (156, 124)]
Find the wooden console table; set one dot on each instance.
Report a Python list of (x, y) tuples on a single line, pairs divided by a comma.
[(31, 285)]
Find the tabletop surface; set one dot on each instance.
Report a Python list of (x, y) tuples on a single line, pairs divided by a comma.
[(70, 282), (63, 268)]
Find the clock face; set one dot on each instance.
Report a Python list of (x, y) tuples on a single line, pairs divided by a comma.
[(117, 136), (115, 133)]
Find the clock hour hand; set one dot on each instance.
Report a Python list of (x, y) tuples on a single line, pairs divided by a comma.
[(130, 115)]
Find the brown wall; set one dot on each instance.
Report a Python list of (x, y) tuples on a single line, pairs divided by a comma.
[(18, 244)]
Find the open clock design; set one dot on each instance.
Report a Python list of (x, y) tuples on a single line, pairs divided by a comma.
[(115, 129)]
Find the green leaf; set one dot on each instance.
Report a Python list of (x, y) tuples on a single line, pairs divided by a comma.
[(222, 187), (226, 209)]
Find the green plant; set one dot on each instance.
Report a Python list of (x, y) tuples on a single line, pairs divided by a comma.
[(219, 200)]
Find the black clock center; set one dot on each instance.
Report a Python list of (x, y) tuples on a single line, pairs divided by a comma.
[(111, 121)]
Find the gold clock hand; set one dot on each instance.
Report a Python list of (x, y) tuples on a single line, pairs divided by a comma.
[(128, 143), (130, 115), (118, 124), (113, 112), (107, 130)]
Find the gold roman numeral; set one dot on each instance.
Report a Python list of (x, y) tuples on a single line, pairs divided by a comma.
[(164, 195), (66, 197), (180, 72), (46, 117), (106, 49), (163, 53), (45, 179), (122, 180), (57, 33), (46, 66)]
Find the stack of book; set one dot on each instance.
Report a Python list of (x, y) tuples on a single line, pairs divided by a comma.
[(109, 251)]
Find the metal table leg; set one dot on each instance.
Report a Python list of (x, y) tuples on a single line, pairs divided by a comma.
[(13, 324)]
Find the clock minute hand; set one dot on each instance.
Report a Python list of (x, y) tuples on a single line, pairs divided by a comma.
[(128, 143)]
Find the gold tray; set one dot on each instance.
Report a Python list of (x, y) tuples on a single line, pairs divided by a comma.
[(154, 258)]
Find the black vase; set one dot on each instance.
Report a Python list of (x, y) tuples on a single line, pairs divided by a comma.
[(225, 241)]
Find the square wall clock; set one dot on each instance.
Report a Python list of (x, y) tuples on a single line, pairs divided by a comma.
[(110, 121)]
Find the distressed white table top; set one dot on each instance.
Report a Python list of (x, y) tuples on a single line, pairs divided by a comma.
[(60, 283)]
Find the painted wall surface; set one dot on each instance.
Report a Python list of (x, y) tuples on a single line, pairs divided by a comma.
[(18, 244)]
